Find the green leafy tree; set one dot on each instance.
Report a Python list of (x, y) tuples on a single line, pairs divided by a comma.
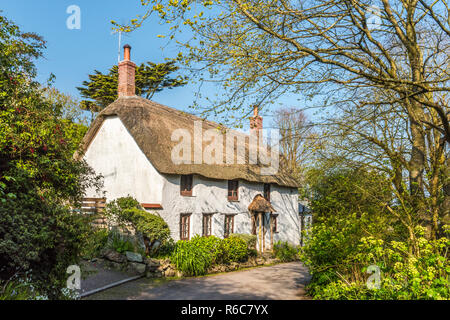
[(39, 179), (101, 89)]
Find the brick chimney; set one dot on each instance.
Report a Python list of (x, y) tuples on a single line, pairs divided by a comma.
[(256, 120), (127, 71)]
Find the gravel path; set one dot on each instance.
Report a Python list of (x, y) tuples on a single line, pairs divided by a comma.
[(279, 282)]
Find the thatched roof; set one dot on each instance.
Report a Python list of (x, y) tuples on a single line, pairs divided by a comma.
[(260, 204), (152, 124)]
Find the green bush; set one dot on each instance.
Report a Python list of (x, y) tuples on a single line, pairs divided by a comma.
[(284, 251), (165, 250), (192, 257), (127, 211), (18, 289), (152, 227), (403, 274), (250, 239), (41, 237), (236, 249), (115, 210), (196, 256), (94, 242), (216, 248)]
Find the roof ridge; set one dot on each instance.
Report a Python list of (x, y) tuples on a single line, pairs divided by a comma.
[(181, 113)]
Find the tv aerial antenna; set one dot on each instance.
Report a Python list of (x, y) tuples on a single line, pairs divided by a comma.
[(120, 33)]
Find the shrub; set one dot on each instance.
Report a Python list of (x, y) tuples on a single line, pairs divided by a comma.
[(116, 209), (196, 256), (236, 249), (50, 239), (215, 247), (152, 227), (250, 239), (284, 251), (126, 211), (403, 275), (17, 289), (94, 242), (192, 257), (165, 250)]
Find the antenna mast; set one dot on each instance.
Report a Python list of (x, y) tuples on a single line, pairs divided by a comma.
[(118, 51), (120, 40)]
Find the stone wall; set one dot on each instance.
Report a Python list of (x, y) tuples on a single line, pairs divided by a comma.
[(159, 268)]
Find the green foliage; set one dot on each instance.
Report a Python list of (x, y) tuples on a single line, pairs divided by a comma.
[(215, 247), (151, 226), (192, 257), (101, 89), (352, 231), (250, 239), (18, 289), (236, 249), (94, 243), (127, 212), (165, 250), (196, 256), (115, 210), (347, 190), (69, 106), (284, 251), (119, 244), (38, 175), (403, 275)]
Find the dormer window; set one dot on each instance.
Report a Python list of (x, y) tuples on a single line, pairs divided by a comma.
[(186, 185), (233, 186), (267, 191)]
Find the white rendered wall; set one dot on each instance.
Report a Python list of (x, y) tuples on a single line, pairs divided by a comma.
[(210, 196), (114, 154), (285, 201)]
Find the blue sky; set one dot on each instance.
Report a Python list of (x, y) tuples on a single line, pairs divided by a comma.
[(72, 54)]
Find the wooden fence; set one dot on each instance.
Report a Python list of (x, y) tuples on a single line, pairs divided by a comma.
[(94, 207)]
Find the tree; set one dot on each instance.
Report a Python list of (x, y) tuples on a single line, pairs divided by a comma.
[(70, 106), (399, 64), (39, 179), (101, 89), (297, 142)]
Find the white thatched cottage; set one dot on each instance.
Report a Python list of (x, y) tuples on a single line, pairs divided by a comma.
[(134, 144)]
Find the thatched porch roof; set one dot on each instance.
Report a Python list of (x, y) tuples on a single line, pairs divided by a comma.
[(260, 204)]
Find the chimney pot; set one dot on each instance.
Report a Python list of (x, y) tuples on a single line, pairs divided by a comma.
[(126, 52), (256, 120), (255, 111)]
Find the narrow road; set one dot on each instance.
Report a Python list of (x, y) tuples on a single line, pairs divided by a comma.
[(279, 282)]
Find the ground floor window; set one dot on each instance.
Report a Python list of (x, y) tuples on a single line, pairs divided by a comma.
[(229, 226), (185, 226), (274, 224), (207, 225)]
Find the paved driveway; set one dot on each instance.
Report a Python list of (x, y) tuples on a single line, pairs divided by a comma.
[(282, 281)]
